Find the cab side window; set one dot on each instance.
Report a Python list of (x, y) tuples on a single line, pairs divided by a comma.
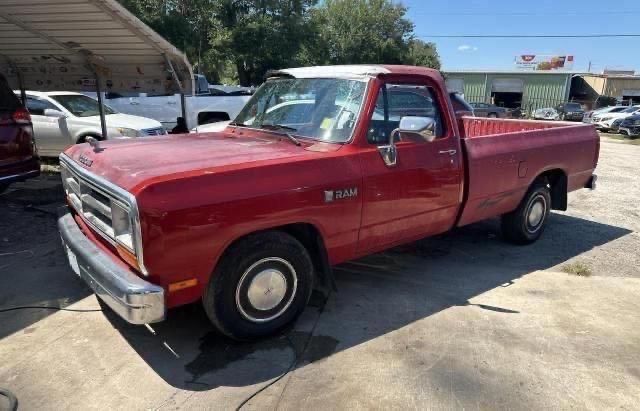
[(36, 106), (402, 100)]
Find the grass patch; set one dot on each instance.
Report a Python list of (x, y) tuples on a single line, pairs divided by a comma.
[(629, 140), (577, 268)]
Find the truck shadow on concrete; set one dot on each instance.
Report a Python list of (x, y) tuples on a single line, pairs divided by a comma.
[(376, 295), (33, 267)]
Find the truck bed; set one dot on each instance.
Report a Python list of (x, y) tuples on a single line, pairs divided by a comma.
[(505, 156)]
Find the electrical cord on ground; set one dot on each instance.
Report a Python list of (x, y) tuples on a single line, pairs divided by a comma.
[(294, 363), (13, 401), (281, 376), (39, 307)]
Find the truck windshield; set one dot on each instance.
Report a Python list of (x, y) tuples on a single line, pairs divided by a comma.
[(80, 105), (320, 109)]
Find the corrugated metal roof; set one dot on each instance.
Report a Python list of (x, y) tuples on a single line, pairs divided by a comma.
[(57, 44)]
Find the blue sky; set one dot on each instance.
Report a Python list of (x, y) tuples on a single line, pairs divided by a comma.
[(568, 17)]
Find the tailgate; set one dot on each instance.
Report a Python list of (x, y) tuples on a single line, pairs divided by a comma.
[(15, 140), (501, 167), (15, 128)]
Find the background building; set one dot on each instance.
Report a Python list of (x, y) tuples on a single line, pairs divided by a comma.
[(529, 90), (606, 89)]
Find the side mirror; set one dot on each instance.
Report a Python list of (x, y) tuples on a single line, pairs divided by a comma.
[(423, 127), (49, 112)]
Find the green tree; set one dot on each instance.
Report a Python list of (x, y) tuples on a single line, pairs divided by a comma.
[(234, 41), (422, 54), (360, 31), (184, 23), (258, 35)]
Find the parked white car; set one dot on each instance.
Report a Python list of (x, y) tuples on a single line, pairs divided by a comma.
[(547, 113), (588, 117), (605, 121), (201, 109), (211, 127), (61, 119)]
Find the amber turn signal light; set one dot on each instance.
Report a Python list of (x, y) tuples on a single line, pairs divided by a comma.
[(180, 285)]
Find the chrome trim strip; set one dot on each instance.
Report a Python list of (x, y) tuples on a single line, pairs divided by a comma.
[(109, 189)]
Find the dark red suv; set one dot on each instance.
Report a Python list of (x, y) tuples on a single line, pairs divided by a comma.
[(18, 159)]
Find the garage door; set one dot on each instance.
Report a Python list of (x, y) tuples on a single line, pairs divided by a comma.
[(507, 85)]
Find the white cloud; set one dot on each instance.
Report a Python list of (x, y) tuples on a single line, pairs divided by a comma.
[(466, 47)]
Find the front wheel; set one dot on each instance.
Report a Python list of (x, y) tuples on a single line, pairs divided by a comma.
[(526, 223), (3, 187), (261, 285)]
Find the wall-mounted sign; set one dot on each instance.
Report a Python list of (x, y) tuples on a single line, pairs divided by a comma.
[(544, 62)]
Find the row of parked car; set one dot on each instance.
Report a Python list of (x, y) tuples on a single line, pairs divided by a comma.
[(616, 119)]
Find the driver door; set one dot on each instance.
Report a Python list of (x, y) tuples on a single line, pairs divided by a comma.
[(420, 195), (47, 131)]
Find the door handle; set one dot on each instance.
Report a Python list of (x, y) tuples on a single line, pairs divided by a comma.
[(450, 152)]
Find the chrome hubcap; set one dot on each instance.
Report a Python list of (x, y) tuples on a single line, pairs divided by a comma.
[(267, 289), (537, 211)]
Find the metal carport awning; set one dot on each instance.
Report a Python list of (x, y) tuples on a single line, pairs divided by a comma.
[(86, 45)]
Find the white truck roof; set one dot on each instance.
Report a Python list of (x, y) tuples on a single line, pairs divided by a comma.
[(355, 71)]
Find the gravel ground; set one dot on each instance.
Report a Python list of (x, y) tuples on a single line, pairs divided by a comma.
[(459, 321)]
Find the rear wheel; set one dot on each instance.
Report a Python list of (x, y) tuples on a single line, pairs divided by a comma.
[(525, 224), (261, 285)]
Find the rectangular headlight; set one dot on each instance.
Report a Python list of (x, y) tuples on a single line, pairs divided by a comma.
[(122, 225)]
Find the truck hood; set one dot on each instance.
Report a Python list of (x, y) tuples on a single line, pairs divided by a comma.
[(134, 164)]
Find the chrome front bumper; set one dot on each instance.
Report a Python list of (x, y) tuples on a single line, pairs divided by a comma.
[(134, 299)]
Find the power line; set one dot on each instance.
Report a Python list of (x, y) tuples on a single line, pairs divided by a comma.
[(525, 14), (527, 36)]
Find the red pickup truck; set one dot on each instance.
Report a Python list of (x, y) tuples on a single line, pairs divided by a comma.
[(323, 165)]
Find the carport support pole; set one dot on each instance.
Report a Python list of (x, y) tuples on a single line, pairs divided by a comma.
[(183, 106), (103, 121), (178, 83), (23, 92)]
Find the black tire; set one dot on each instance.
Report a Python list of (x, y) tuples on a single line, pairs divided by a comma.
[(275, 257), (3, 187), (492, 115), (526, 223)]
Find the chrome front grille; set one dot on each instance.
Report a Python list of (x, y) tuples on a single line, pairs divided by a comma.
[(90, 202), (109, 210), (158, 131)]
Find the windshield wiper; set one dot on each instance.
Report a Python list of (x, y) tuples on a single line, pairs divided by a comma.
[(235, 123), (283, 127)]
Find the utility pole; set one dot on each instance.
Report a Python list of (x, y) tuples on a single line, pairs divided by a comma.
[(589, 69)]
